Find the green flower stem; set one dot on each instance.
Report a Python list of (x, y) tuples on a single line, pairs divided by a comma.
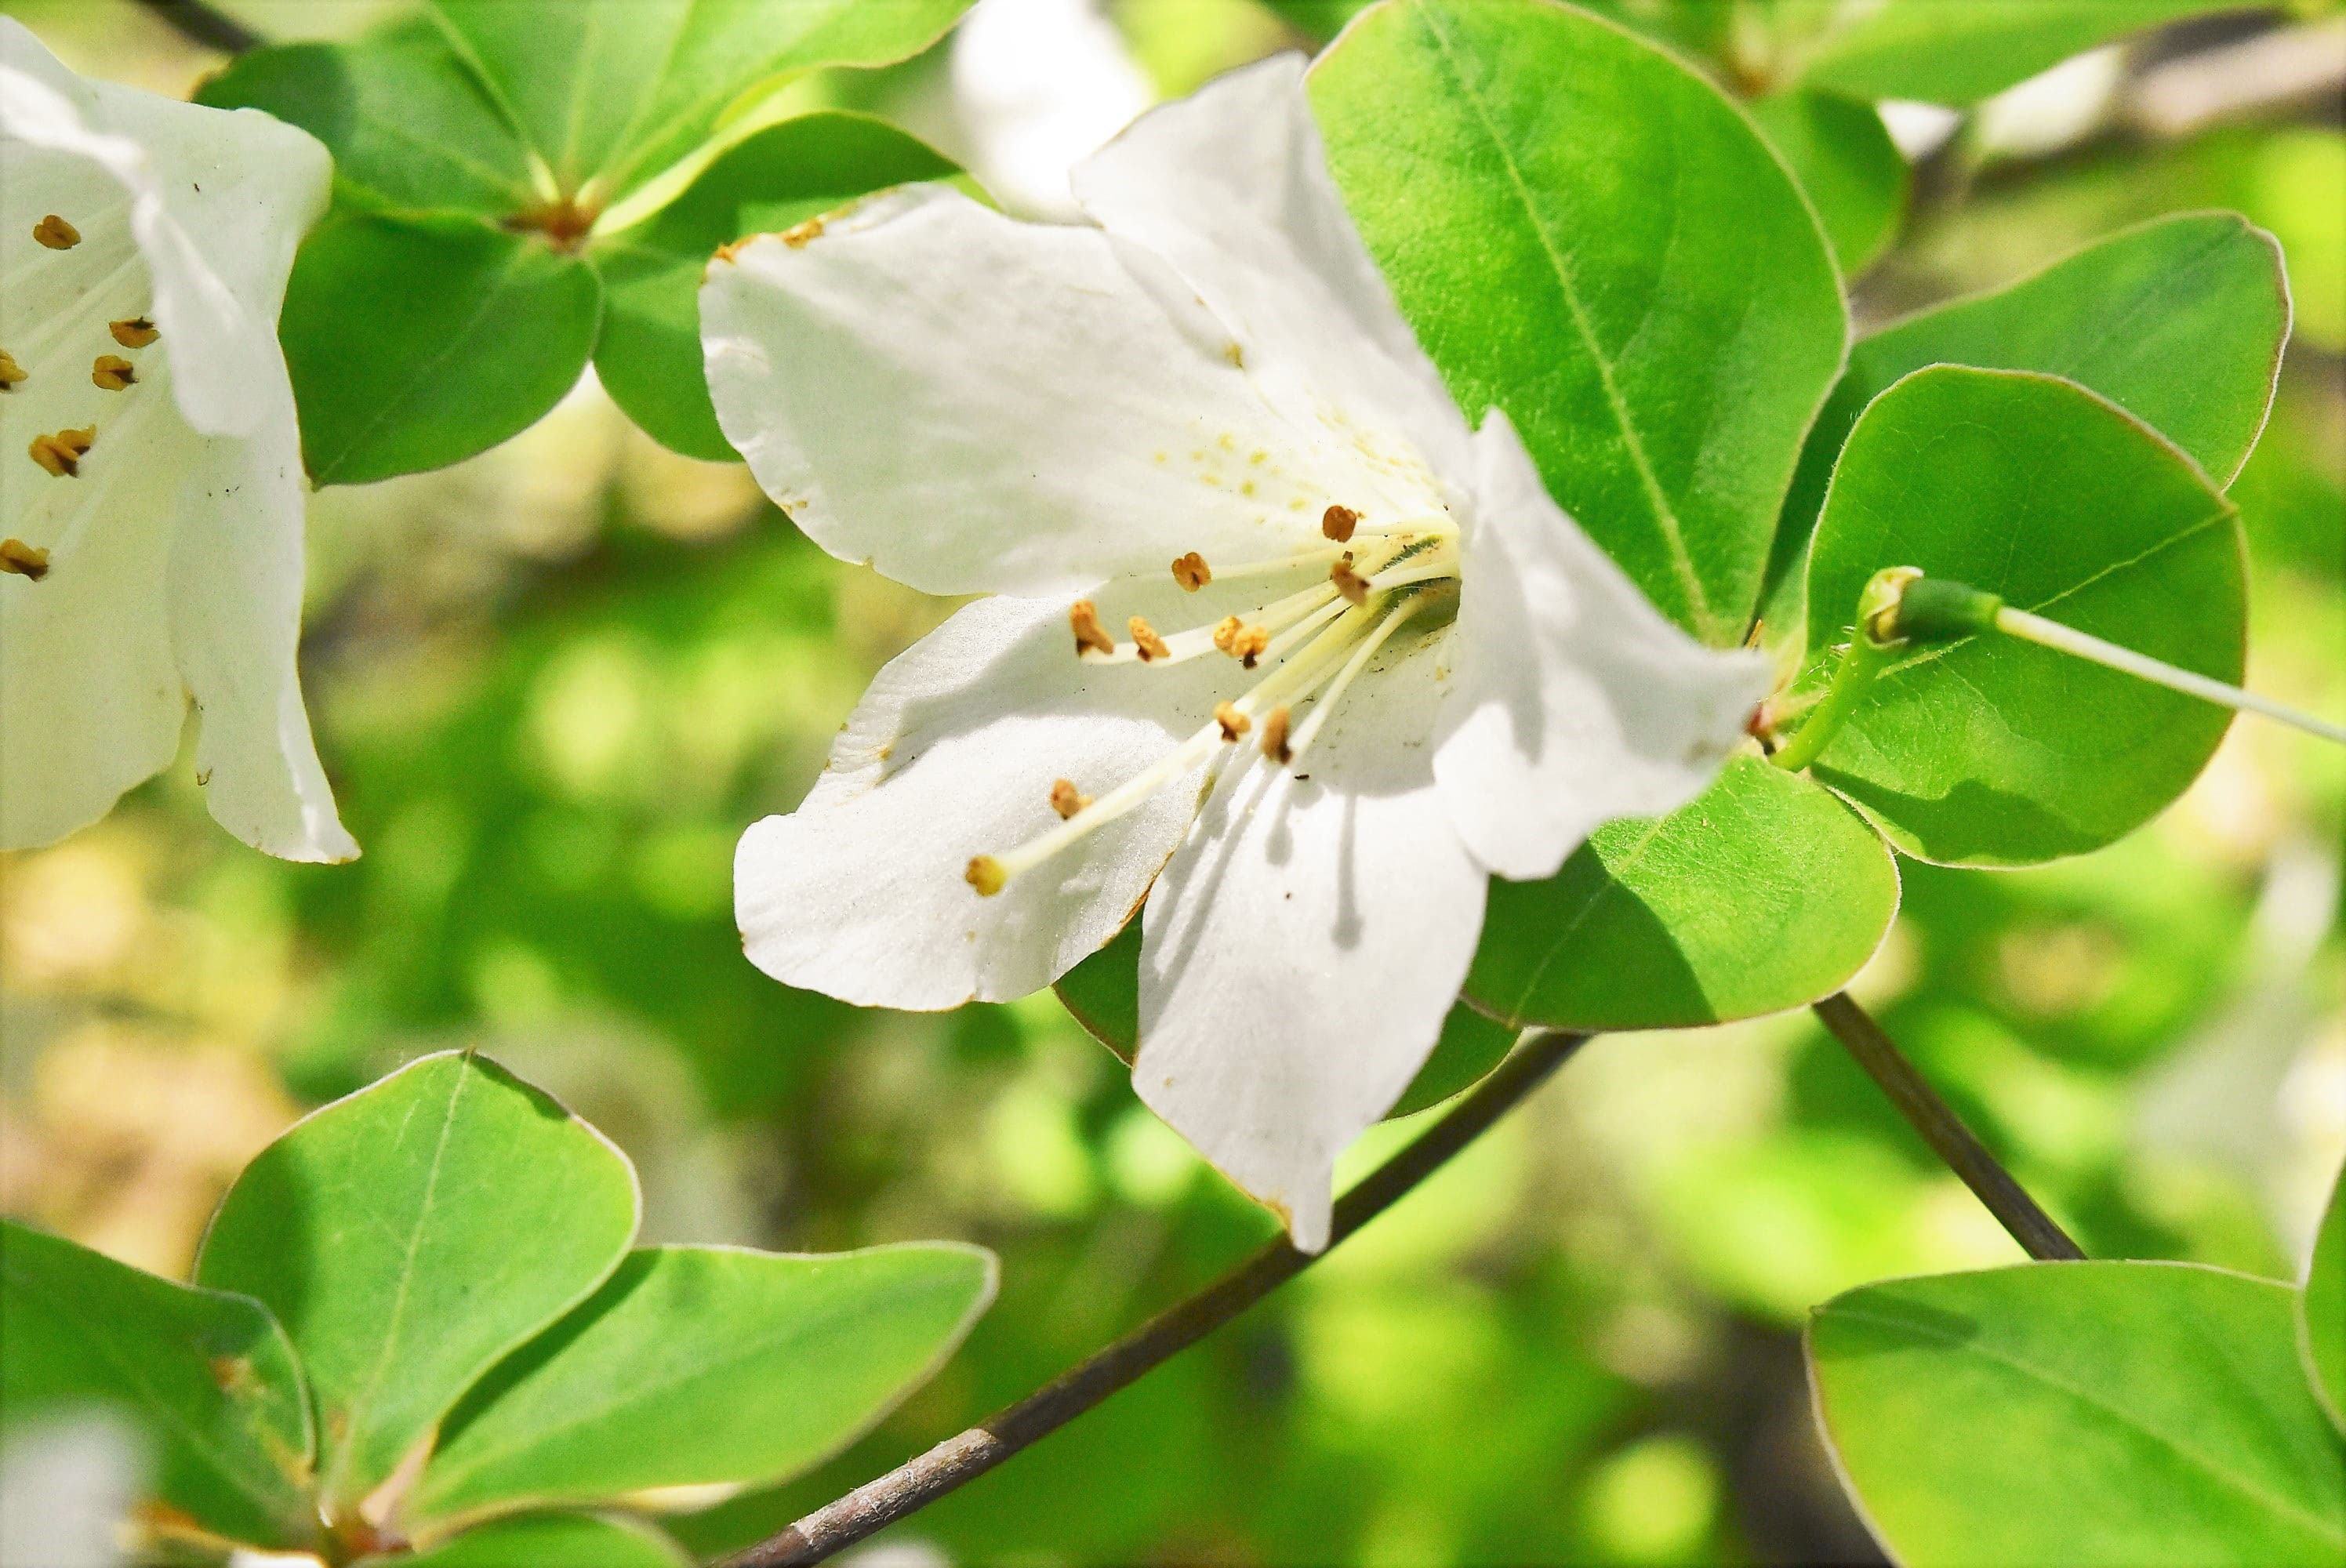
[(960, 1460), (1868, 654)]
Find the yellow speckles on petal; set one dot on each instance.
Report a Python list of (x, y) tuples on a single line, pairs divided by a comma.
[(135, 334), (1257, 457), (55, 234), (1066, 798), (1192, 573), (23, 559), (1227, 442), (1236, 354), (1083, 615), (1274, 736), (1234, 723), (1246, 488), (985, 874), (1298, 504), (1337, 521), (61, 453), (112, 372), (12, 374)]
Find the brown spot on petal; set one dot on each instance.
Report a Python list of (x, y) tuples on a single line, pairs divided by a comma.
[(1192, 573), (62, 454), (1274, 736), (55, 234), (112, 372), (1234, 723), (23, 559), (135, 334), (1083, 615), (1066, 800), (1337, 521), (1145, 640), (11, 372)]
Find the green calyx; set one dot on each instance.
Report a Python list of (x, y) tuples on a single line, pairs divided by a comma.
[(1899, 608)]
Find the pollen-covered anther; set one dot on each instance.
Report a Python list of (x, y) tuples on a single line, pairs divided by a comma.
[(1084, 616), (55, 234), (112, 372), (135, 334), (1337, 521), (985, 874), (1349, 583), (1066, 800), (1240, 641), (1274, 736), (1144, 640), (1234, 723), (11, 372), (23, 559), (1192, 573), (62, 454)]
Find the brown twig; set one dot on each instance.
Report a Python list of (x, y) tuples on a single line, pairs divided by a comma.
[(206, 25), (1945, 1131), (960, 1460)]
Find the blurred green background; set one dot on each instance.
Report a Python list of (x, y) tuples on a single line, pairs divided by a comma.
[(552, 685)]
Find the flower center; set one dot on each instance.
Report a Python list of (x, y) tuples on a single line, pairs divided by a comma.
[(1311, 645)]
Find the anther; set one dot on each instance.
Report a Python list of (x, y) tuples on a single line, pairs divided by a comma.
[(1274, 736), (23, 559), (135, 334), (1190, 571), (55, 234), (1084, 616), (1349, 583), (1146, 641), (62, 454), (1066, 800), (1234, 723), (11, 372), (985, 874), (1337, 521), (112, 372)]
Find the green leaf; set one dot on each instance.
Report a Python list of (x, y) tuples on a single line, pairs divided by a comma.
[(1854, 175), (1993, 751), (551, 1540), (412, 1235), (1102, 994), (410, 127), (417, 342), (1585, 234), (1764, 893), (1959, 54), (706, 1366), (2180, 323), (609, 93), (649, 358), (2321, 1307), (209, 1378), (2129, 1414)]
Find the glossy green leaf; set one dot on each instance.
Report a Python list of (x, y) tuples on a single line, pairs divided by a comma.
[(2321, 1307), (2132, 1415), (1854, 175), (1584, 233), (1958, 54), (1762, 894), (703, 1367), (1102, 994), (209, 1378), (1993, 751), (649, 358), (416, 343), (410, 127), (409, 1236), (551, 1540), (2180, 323), (608, 93)]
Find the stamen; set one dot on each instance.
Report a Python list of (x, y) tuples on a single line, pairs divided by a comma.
[(1241, 642), (62, 454), (1066, 799), (1192, 573), (1354, 666), (135, 334), (1274, 736), (1233, 722), (1338, 523), (985, 874), (55, 234), (1145, 640), (23, 559), (1084, 616), (112, 372), (1349, 583), (11, 372)]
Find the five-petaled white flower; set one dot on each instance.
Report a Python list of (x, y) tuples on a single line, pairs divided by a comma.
[(1278, 649), (150, 471)]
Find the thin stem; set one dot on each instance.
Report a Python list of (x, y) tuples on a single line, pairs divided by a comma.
[(199, 22), (960, 1459), (2069, 641), (1868, 654), (1946, 1133)]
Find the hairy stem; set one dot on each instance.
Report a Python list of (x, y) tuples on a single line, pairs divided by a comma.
[(1945, 1131), (960, 1459), (199, 22)]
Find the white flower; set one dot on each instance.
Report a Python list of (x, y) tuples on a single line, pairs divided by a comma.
[(150, 472), (1408, 671), (1038, 85)]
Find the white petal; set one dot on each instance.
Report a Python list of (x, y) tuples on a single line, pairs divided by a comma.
[(1038, 85), (974, 404), (1231, 187), (218, 201), (952, 754), (1576, 700), (236, 623), (1300, 951)]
